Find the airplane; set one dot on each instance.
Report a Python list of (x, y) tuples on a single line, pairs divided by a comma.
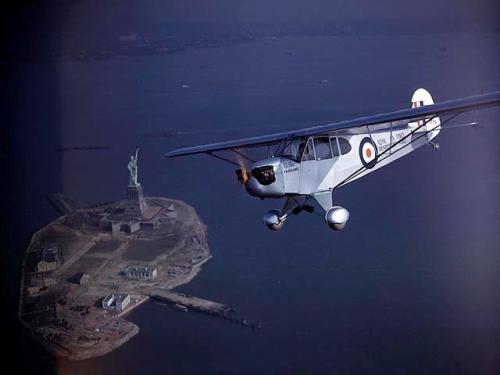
[(314, 162)]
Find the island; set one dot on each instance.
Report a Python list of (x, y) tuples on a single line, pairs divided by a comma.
[(85, 271)]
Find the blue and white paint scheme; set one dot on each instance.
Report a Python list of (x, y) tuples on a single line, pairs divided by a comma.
[(313, 162)]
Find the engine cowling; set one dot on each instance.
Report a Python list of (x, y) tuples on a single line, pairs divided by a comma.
[(336, 217), (272, 220)]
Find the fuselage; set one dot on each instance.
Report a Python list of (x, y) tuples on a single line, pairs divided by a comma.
[(316, 164)]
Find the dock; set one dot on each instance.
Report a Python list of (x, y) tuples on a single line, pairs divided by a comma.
[(178, 300)]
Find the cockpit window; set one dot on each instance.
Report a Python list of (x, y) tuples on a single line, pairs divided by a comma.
[(345, 146), (322, 148), (288, 149), (303, 149), (335, 146), (291, 149), (308, 151)]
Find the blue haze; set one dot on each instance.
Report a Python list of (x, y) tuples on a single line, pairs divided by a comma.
[(411, 285)]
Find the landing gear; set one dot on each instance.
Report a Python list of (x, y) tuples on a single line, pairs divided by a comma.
[(275, 219), (304, 207), (336, 217)]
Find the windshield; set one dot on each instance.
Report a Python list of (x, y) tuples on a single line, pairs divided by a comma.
[(296, 149), (291, 149)]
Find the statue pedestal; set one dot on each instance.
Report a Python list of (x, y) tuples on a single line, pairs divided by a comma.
[(135, 198)]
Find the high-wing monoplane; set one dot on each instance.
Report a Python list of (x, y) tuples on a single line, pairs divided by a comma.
[(313, 162)]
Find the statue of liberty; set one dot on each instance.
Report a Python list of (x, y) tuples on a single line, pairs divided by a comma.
[(132, 167)]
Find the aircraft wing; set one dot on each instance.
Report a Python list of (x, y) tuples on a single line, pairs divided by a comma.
[(376, 122)]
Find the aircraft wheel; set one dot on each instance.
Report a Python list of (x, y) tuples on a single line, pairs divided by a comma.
[(272, 220)]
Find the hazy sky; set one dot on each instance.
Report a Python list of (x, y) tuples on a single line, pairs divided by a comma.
[(101, 16), (421, 257)]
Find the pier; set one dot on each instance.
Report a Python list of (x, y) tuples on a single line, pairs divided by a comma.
[(186, 302)]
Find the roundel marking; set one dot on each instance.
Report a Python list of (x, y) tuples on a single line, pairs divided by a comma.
[(368, 153)]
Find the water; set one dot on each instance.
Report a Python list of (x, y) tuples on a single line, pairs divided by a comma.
[(411, 286)]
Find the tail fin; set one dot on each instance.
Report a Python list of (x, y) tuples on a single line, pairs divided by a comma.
[(420, 98)]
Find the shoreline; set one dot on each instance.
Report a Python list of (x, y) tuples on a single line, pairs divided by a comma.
[(78, 327)]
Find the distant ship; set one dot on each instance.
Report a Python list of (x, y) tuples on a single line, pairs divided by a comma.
[(179, 307)]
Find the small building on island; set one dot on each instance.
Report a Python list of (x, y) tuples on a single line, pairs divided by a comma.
[(131, 227), (116, 301), (140, 272), (80, 278), (47, 259)]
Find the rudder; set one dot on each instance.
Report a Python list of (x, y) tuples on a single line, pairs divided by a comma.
[(420, 98)]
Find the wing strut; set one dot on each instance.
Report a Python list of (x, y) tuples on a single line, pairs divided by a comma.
[(211, 153), (223, 158), (242, 155)]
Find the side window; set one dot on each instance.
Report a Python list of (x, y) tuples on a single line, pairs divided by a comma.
[(335, 146), (345, 146), (308, 151), (322, 148)]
